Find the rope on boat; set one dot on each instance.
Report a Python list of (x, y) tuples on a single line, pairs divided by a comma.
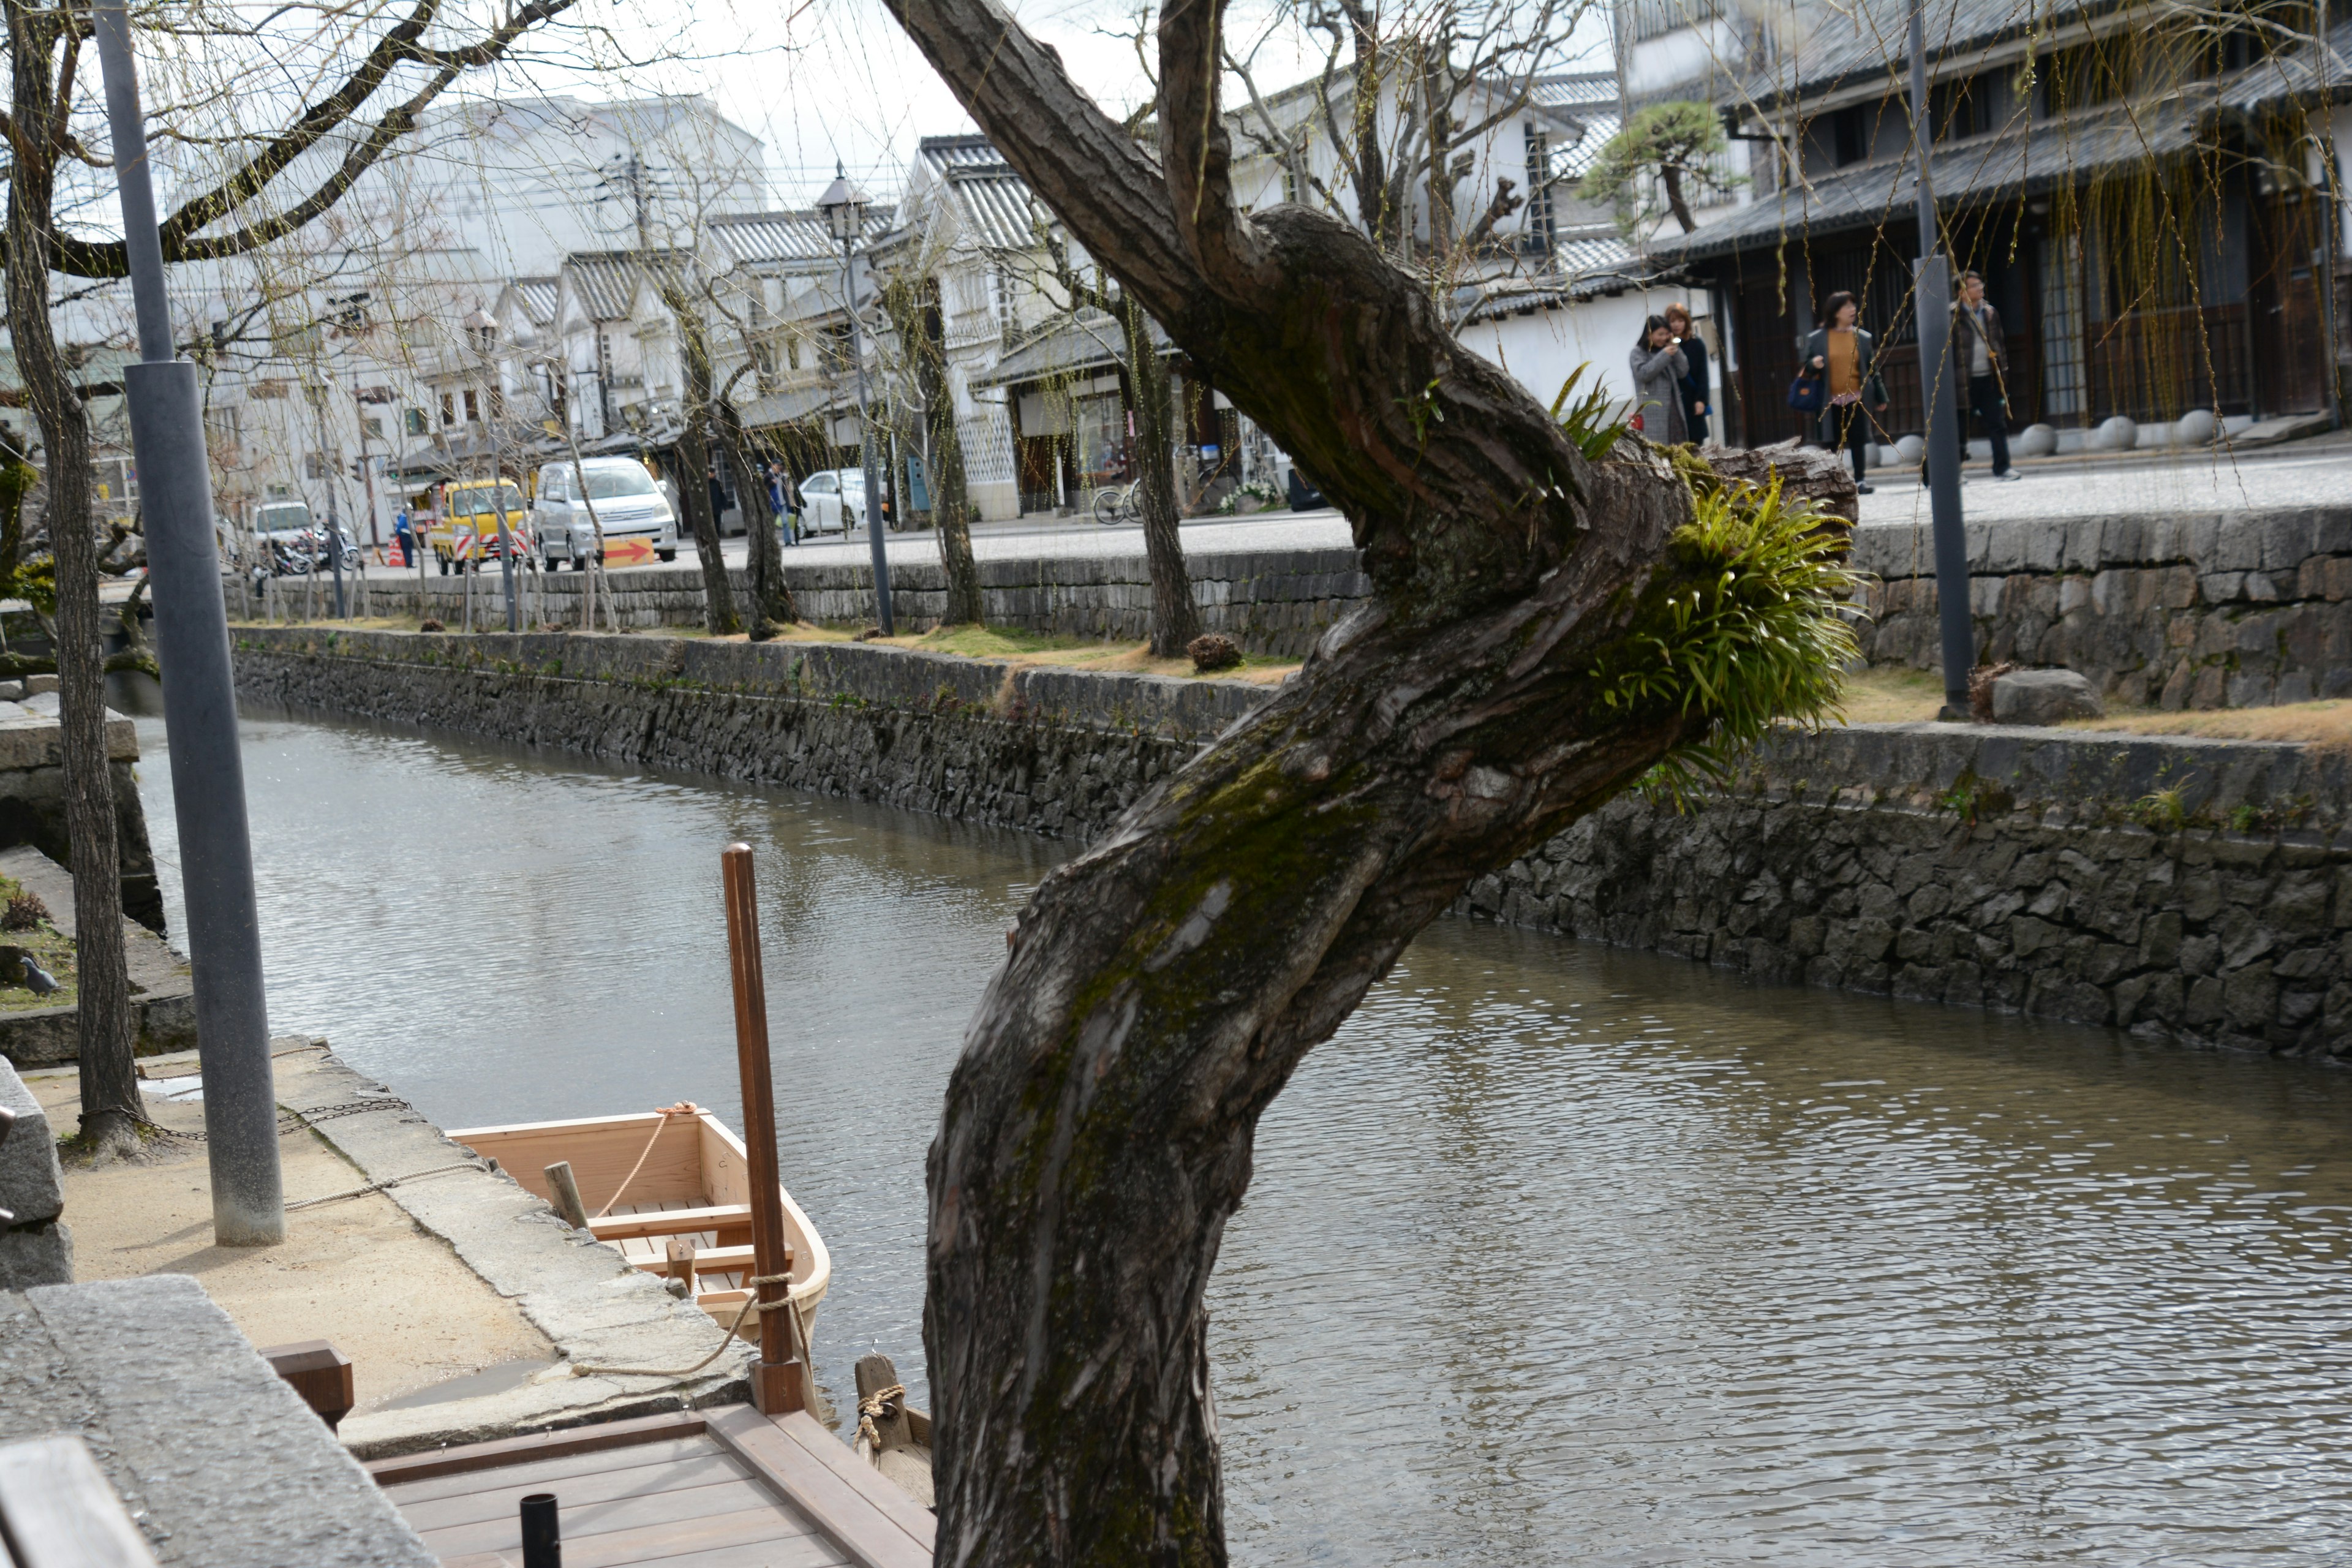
[(751, 1303), (872, 1408), (683, 1107), (380, 1187)]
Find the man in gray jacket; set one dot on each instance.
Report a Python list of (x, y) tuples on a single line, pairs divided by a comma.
[(1978, 341)]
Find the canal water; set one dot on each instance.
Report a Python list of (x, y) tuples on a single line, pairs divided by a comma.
[(1555, 1255)]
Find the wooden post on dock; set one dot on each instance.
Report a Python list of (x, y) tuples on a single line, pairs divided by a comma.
[(777, 1385)]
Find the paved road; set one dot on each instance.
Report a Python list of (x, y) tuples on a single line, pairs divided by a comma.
[(2306, 474)]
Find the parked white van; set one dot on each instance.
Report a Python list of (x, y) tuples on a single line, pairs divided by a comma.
[(629, 506)]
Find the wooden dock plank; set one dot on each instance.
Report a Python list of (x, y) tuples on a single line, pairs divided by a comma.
[(563, 1467), (756, 1493), (749, 1535), (538, 1446), (836, 1456), (872, 1538), (669, 1475), (584, 1521)]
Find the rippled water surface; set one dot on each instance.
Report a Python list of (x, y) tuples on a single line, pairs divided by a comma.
[(1556, 1254)]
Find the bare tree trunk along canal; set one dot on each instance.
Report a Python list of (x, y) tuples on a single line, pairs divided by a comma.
[(1554, 1253)]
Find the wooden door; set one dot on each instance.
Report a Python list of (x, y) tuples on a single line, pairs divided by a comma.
[(2289, 335)]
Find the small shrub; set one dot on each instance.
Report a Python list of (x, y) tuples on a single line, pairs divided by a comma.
[(2163, 810), (25, 912), (1214, 651)]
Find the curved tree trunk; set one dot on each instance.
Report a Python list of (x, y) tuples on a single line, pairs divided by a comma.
[(1162, 987), (110, 1086), (693, 452), (921, 327), (772, 608), (1175, 621)]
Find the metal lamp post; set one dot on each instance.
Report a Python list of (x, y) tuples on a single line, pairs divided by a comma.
[(167, 435), (844, 206), (1931, 296)]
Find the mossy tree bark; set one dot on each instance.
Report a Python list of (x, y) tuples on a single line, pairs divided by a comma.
[(1162, 987), (42, 47)]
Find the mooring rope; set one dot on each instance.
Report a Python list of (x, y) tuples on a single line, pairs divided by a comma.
[(380, 1187), (751, 1303), (872, 1408), (683, 1107)]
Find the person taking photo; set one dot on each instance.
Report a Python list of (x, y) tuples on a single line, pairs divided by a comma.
[(1658, 371)]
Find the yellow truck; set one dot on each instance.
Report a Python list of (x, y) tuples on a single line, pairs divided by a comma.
[(464, 531)]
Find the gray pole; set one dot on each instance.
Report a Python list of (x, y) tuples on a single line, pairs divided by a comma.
[(334, 541), (1931, 296), (866, 449), (167, 435)]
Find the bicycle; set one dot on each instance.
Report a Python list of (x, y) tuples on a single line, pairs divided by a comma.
[(1117, 505)]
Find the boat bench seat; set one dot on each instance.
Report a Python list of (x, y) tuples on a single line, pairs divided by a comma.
[(670, 1222)]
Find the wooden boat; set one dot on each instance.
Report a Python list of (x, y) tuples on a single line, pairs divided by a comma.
[(892, 1435), (652, 1182)]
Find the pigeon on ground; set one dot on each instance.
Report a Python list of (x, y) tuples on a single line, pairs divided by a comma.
[(39, 981)]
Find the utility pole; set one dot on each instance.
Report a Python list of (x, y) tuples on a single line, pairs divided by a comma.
[(1931, 296), (167, 434)]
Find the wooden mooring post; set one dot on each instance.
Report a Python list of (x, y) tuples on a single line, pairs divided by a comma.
[(778, 1385)]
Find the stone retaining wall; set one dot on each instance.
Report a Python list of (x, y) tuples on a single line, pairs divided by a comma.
[(2198, 890), (1273, 602), (2179, 610), (2195, 890), (1049, 751)]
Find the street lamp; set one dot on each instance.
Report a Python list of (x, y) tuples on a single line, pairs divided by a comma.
[(844, 207)]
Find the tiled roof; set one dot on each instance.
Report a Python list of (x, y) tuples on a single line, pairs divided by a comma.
[(794, 235), (2054, 153), (992, 204), (606, 280), (995, 206), (2295, 77), (1578, 91), (538, 298), (1869, 39), (1087, 343), (945, 152), (793, 404)]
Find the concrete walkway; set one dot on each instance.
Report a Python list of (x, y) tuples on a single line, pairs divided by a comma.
[(456, 1295), (2303, 474)]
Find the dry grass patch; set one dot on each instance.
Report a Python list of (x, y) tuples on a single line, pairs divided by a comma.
[(2328, 723), (1024, 649), (1891, 697)]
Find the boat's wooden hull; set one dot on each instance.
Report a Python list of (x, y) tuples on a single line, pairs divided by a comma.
[(693, 1181)]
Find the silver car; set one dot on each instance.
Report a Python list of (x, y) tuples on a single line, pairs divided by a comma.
[(834, 501), (628, 505)]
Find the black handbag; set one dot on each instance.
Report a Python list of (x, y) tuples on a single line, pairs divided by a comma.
[(1807, 392)]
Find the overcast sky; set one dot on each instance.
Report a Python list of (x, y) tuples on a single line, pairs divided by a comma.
[(827, 80)]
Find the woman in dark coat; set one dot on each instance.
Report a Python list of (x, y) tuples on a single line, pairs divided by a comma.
[(1694, 347)]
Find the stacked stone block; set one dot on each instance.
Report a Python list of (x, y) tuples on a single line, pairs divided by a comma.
[(2213, 610)]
